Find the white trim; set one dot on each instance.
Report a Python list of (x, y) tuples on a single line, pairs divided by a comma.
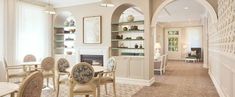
[(205, 66), (135, 81), (217, 86)]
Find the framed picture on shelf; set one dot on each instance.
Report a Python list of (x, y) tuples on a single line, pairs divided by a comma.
[(92, 30)]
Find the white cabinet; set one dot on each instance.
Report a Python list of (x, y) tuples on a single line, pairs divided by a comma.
[(136, 67), (130, 67)]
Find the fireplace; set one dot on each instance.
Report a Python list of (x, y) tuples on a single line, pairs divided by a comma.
[(93, 59)]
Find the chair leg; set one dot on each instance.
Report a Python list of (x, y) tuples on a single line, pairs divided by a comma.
[(57, 90), (160, 72), (114, 89), (54, 83), (58, 86), (105, 86), (94, 94), (47, 82)]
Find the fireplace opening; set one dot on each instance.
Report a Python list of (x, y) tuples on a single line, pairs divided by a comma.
[(96, 60)]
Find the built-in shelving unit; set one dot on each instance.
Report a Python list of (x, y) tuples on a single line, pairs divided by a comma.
[(64, 38), (127, 38)]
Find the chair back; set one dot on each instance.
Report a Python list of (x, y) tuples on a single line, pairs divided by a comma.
[(30, 58), (6, 68), (161, 65), (32, 85), (62, 65), (48, 64), (166, 59), (82, 73), (111, 64)]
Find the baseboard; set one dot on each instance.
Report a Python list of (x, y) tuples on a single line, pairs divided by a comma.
[(135, 81), (217, 86), (205, 66)]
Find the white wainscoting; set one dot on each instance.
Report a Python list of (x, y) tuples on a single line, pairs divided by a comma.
[(222, 73), (135, 81)]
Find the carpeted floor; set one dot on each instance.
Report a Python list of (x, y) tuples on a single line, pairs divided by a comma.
[(181, 80)]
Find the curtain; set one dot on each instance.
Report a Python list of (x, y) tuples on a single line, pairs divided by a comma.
[(34, 34)]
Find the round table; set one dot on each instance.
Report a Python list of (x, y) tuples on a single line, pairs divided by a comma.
[(8, 88), (29, 64), (96, 69)]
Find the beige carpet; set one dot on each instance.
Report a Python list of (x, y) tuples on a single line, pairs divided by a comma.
[(181, 80)]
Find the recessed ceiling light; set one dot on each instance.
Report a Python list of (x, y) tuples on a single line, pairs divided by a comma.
[(186, 8)]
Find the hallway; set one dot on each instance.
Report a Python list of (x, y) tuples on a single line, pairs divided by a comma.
[(181, 80)]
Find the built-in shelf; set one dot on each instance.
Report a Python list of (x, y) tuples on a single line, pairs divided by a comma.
[(59, 40), (127, 39), (130, 31), (128, 48), (129, 23)]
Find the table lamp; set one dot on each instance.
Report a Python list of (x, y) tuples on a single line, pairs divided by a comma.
[(157, 47)]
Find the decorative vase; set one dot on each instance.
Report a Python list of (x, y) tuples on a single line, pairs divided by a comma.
[(136, 46), (130, 18)]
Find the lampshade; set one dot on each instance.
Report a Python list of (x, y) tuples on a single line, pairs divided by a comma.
[(157, 45), (106, 3), (50, 10)]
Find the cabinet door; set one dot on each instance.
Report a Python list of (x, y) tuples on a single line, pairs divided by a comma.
[(122, 69), (136, 68)]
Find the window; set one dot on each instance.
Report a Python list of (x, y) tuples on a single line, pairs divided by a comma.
[(33, 35)]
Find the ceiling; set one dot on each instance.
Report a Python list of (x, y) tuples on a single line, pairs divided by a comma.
[(64, 3), (181, 11)]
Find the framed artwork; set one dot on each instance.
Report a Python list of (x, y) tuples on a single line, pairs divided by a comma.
[(92, 30), (173, 40)]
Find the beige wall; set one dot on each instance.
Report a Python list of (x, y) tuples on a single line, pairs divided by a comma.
[(222, 50), (1, 38), (94, 9)]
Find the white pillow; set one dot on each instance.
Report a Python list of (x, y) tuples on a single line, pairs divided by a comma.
[(193, 53)]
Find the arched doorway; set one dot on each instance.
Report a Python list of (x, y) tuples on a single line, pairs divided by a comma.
[(204, 3)]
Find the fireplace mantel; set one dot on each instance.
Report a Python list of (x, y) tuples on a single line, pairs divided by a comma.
[(94, 51)]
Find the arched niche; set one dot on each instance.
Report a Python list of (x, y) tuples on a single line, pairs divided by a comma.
[(129, 43), (62, 17), (120, 9)]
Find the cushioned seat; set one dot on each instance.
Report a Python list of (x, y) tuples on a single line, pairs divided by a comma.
[(104, 80), (84, 88)]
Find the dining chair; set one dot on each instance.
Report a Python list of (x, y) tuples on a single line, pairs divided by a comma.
[(32, 85), (18, 71), (109, 75), (165, 62), (48, 70), (61, 73), (29, 58), (82, 80), (159, 65)]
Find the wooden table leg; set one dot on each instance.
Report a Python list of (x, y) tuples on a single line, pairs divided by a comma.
[(13, 94), (87, 95)]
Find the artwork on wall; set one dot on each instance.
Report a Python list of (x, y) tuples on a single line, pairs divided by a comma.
[(92, 30)]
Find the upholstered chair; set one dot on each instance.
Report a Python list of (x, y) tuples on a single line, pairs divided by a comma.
[(165, 62), (48, 70), (30, 58), (109, 75), (82, 80), (159, 65), (61, 73), (13, 68), (32, 85)]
